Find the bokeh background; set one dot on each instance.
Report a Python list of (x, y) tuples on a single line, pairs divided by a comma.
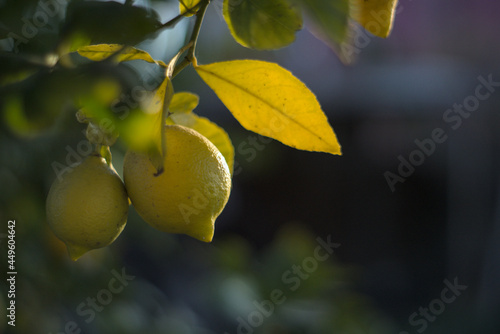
[(396, 249)]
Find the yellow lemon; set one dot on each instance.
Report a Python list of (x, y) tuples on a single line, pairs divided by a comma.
[(189, 194), (87, 207)]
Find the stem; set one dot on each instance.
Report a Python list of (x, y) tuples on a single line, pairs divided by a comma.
[(176, 19), (171, 23), (190, 57), (197, 28), (173, 62)]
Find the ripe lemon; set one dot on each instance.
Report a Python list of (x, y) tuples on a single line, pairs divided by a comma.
[(87, 207), (189, 194)]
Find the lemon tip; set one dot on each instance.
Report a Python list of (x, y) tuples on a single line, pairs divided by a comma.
[(75, 251), (205, 237)]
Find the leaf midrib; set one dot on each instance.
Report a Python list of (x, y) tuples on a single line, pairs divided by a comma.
[(265, 102)]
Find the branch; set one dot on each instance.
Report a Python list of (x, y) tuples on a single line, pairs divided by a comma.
[(190, 57)]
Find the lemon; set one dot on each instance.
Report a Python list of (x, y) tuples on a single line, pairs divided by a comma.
[(87, 207), (189, 194)]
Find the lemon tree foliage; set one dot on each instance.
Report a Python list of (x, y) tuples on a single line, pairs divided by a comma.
[(95, 22), (262, 24), (81, 65), (120, 53), (330, 22), (183, 103), (376, 16), (269, 100), (188, 7), (147, 133)]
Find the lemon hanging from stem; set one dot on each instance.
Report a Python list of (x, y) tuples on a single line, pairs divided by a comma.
[(87, 207), (190, 192)]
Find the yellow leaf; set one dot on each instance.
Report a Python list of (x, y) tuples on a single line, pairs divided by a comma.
[(183, 102), (156, 103), (188, 7), (143, 128), (100, 52), (269, 100), (376, 16)]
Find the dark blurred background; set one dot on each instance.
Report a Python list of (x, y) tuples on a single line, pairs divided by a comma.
[(399, 248)]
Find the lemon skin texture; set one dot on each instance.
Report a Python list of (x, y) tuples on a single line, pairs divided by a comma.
[(87, 207), (190, 193)]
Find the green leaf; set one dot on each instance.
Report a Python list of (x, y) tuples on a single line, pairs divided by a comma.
[(103, 51), (181, 108), (106, 154), (142, 130), (14, 17), (141, 133), (14, 68), (269, 100), (262, 24), (33, 104), (188, 7), (376, 16), (15, 117), (329, 22), (109, 22)]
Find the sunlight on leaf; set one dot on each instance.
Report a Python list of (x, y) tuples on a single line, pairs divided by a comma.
[(183, 102), (188, 7), (156, 103), (269, 100), (376, 16), (142, 129), (181, 107), (106, 154), (103, 51), (262, 24)]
